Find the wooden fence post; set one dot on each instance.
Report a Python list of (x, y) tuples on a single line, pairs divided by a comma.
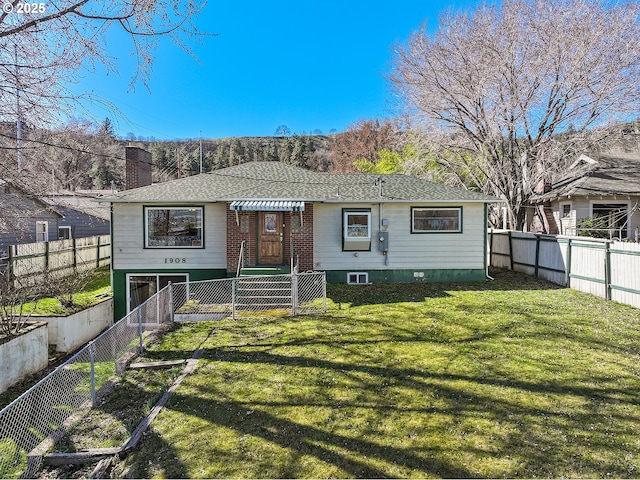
[(491, 247), (568, 267), (75, 255), (98, 252), (510, 250), (607, 270), (537, 261), (46, 256), (11, 266)]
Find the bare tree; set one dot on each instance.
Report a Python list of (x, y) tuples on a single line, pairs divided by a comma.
[(17, 303), (362, 141), (45, 46), (510, 82)]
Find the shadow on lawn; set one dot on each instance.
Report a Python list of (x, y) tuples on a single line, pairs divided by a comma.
[(308, 440), (504, 280), (156, 448), (537, 434), (409, 377)]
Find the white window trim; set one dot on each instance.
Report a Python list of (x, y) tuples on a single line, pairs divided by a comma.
[(46, 230), (345, 222), (65, 227), (359, 276), (564, 204), (568, 223)]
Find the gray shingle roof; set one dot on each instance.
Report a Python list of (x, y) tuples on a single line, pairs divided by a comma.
[(598, 174), (278, 181)]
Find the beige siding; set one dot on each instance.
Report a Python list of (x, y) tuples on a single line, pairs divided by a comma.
[(128, 241), (406, 250), (581, 207)]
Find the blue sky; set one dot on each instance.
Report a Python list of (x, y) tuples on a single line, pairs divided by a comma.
[(307, 64)]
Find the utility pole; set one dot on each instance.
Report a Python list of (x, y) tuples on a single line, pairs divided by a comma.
[(179, 166), (18, 112), (200, 151)]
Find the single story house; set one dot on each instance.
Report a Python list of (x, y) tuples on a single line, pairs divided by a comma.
[(81, 215), (601, 185), (358, 228), (24, 218), (28, 218)]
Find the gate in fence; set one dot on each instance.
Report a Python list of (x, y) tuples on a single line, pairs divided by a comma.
[(297, 294), (32, 423)]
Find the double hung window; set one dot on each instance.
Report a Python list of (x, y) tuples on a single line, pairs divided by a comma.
[(42, 231)]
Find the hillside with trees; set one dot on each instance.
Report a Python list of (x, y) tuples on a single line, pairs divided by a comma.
[(82, 155)]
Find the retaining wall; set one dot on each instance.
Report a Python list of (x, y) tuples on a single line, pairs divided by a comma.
[(23, 355)]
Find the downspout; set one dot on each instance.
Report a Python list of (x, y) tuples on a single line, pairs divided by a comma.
[(386, 254), (486, 250)]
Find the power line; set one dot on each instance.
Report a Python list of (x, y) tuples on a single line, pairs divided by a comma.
[(64, 147)]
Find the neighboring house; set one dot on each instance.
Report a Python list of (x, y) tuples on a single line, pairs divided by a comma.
[(81, 215), (358, 228), (603, 185), (25, 218)]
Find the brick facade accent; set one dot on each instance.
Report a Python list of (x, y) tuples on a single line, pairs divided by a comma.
[(302, 242), (138, 167)]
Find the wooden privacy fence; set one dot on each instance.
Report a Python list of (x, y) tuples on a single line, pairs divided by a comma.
[(30, 263), (603, 268)]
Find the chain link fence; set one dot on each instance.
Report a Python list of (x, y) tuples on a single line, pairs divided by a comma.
[(32, 423), (297, 294)]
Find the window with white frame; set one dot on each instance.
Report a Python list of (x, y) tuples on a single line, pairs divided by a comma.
[(173, 227), (357, 224), (357, 278), (42, 231), (356, 230), (436, 219), (64, 232)]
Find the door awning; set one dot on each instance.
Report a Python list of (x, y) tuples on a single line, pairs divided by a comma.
[(268, 205)]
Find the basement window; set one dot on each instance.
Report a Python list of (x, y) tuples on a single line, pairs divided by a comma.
[(357, 278)]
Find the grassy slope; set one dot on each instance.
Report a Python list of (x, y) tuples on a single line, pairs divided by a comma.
[(511, 378), (98, 286)]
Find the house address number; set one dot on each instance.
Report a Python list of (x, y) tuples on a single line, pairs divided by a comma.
[(175, 260)]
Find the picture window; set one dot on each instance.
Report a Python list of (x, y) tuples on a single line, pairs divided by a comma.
[(173, 227), (436, 220)]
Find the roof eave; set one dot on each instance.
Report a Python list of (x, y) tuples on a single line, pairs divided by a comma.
[(309, 200)]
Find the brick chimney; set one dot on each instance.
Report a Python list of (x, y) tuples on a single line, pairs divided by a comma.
[(138, 167)]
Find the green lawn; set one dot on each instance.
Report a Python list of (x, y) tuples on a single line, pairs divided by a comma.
[(98, 286), (510, 378)]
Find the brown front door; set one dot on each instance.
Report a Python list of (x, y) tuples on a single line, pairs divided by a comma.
[(270, 237)]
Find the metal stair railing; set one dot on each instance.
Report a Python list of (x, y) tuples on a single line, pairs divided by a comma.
[(241, 258)]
